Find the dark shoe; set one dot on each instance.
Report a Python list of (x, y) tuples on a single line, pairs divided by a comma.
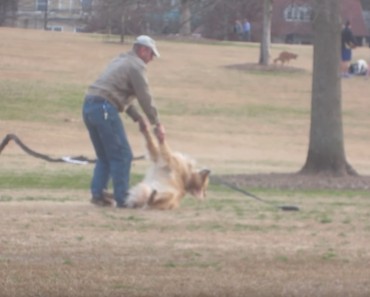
[(97, 202), (121, 205), (104, 201), (108, 199)]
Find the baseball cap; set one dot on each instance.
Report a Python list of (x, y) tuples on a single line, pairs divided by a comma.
[(149, 42)]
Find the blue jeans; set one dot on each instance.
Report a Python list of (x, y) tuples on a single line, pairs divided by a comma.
[(113, 152)]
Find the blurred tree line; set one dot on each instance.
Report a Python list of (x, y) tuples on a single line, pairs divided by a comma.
[(208, 18), (8, 8)]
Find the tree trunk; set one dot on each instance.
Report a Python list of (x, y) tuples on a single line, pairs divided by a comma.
[(46, 15), (326, 152), (123, 22), (185, 19), (266, 33)]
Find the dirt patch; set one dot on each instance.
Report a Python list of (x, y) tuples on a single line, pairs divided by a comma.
[(272, 68)]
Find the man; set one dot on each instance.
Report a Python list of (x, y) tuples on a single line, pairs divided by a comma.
[(348, 42), (114, 91), (247, 30), (238, 29)]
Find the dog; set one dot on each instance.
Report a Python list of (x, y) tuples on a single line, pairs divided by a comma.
[(169, 179), (285, 57)]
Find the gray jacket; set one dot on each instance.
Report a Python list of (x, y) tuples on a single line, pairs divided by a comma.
[(122, 81)]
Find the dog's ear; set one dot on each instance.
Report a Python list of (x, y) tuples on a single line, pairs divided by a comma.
[(198, 183), (205, 173)]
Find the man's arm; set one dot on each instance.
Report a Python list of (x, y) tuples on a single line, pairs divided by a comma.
[(133, 113), (141, 88)]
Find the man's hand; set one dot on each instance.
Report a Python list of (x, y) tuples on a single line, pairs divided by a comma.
[(159, 132)]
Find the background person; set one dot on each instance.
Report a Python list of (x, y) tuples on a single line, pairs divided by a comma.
[(360, 67), (113, 92), (247, 30), (238, 29), (348, 42)]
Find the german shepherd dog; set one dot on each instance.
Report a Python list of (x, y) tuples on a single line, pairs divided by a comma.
[(171, 176)]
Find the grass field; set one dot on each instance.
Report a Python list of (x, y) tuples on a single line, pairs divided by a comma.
[(54, 243)]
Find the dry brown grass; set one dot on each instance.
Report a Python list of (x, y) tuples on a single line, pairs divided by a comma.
[(53, 243), (226, 247)]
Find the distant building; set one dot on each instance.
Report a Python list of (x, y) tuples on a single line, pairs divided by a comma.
[(366, 15), (59, 15), (292, 20)]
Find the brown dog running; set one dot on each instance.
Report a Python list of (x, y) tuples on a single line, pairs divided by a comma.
[(171, 176), (285, 57)]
